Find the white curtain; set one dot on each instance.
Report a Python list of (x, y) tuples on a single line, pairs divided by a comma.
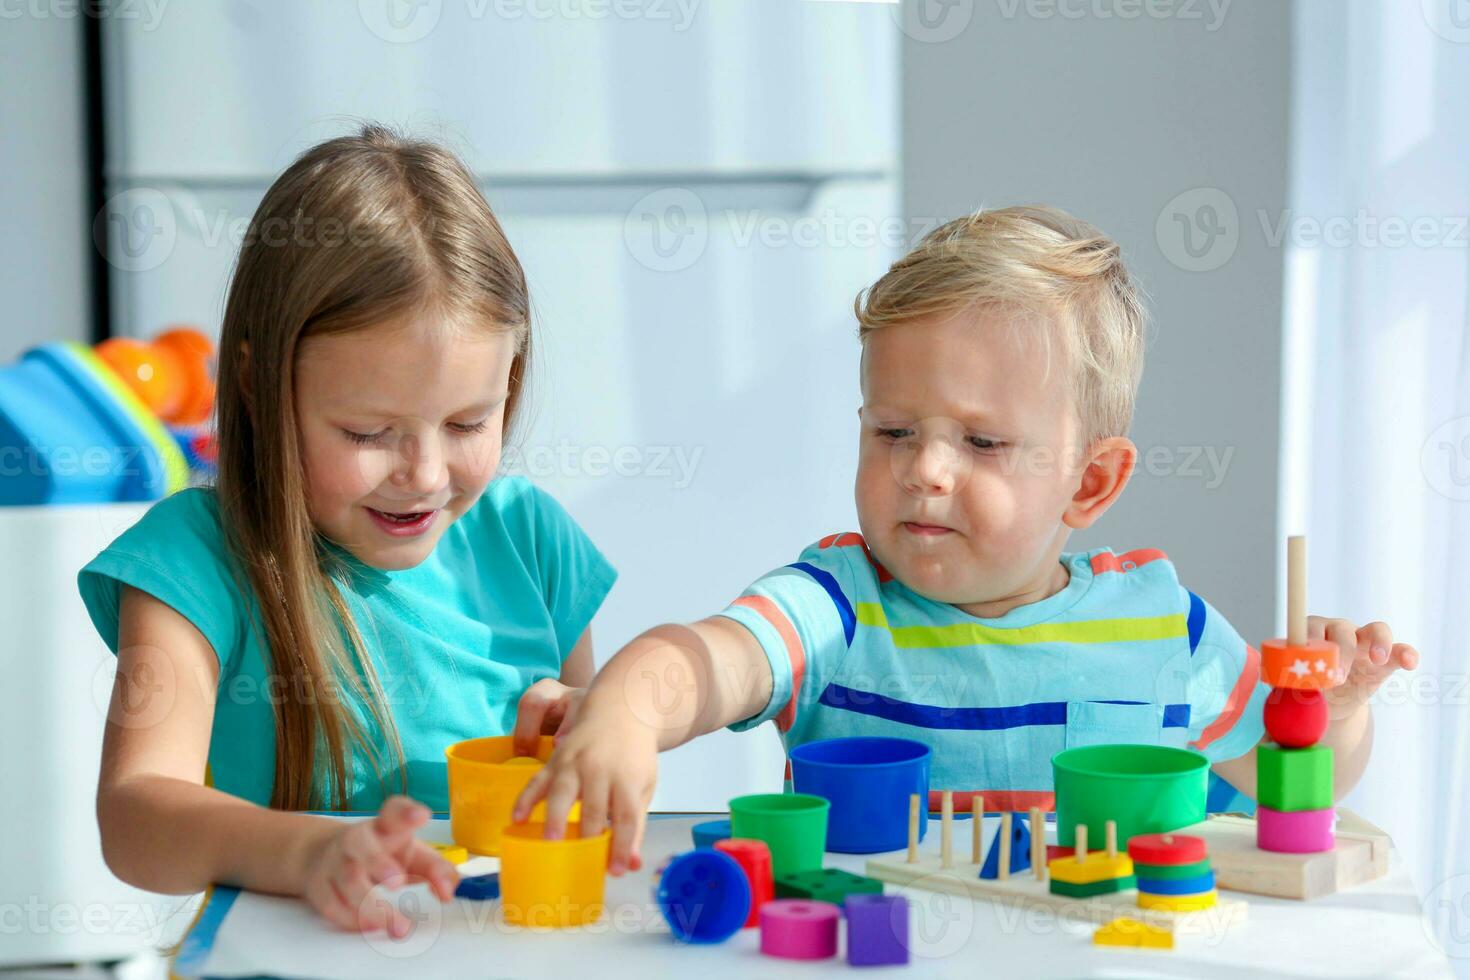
[(1376, 441)]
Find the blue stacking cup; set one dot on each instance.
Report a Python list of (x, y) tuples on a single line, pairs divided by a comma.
[(869, 782)]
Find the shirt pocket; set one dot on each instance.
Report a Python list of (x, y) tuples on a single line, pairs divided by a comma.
[(1103, 723)]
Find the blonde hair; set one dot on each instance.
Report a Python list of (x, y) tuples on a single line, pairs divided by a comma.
[(358, 232), (1038, 260)]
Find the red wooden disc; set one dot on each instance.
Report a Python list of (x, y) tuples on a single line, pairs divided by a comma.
[(1295, 718), (1167, 849)]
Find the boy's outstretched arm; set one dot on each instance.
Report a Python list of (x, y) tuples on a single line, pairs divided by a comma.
[(666, 687), (1367, 657)]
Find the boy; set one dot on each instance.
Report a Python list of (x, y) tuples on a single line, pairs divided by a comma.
[(1000, 363)]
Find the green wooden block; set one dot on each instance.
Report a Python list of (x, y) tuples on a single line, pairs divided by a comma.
[(1104, 887), (825, 885), (1170, 872), (1294, 779)]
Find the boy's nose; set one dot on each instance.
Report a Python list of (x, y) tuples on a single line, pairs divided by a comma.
[(932, 471)]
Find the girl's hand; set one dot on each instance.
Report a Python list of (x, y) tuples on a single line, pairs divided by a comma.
[(344, 865), (548, 707), (612, 767), (1366, 657)]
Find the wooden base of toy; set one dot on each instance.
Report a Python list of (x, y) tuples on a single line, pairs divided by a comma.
[(1026, 891), (1360, 855)]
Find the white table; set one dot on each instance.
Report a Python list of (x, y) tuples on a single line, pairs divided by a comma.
[(1374, 930)]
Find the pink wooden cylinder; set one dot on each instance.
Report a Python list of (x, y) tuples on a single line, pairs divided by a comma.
[(1297, 832), (796, 929)]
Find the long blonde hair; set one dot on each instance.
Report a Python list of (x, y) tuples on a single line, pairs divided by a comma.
[(358, 231)]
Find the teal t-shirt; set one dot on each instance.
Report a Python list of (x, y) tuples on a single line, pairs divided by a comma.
[(455, 640)]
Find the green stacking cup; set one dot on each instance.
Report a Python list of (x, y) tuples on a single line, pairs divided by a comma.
[(1144, 789), (793, 825)]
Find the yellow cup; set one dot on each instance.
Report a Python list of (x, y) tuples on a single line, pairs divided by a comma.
[(485, 777), (552, 883)]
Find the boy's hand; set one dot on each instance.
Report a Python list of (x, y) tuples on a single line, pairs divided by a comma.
[(344, 864), (611, 764), (1366, 657), (548, 707)]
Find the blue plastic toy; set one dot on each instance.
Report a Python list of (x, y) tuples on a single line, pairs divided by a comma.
[(704, 896), (869, 781), (707, 833), (479, 888)]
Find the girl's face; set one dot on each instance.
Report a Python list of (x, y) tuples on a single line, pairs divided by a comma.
[(400, 428)]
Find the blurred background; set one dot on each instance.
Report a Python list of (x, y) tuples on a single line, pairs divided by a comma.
[(698, 189)]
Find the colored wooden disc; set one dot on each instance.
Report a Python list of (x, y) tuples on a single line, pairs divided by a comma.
[(1167, 849), (1171, 872), (1310, 665), (1177, 903), (1295, 717)]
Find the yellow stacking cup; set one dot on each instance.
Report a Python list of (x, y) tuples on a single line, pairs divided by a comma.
[(552, 883), (485, 777)]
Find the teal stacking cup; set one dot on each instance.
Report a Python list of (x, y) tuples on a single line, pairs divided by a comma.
[(869, 781), (793, 825)]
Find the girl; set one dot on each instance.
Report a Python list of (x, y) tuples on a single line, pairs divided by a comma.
[(354, 594)]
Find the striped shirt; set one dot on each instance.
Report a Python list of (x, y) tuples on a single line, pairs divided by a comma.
[(1123, 653)]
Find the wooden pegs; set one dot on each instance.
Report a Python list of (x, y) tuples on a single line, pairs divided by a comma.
[(1081, 838), (1038, 843), (946, 822), (977, 817), (1003, 871), (913, 828), (1296, 590), (1111, 828)]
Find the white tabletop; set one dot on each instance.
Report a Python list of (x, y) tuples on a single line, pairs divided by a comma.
[(1372, 930)]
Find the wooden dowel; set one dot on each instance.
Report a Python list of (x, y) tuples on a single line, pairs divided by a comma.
[(913, 828), (1296, 590), (1038, 843), (1081, 839), (977, 816), (1003, 871), (946, 819), (1112, 834)]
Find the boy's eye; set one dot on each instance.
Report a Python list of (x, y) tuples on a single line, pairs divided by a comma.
[(363, 438), (469, 427), (895, 433), (980, 442)]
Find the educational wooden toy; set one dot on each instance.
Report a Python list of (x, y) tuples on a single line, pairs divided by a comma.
[(926, 870), (478, 888), (1010, 851), (452, 853), (1295, 718), (826, 885), (796, 929), (485, 777), (754, 858), (877, 930), (707, 833), (1124, 931), (556, 883), (1168, 849), (867, 780), (1296, 776)]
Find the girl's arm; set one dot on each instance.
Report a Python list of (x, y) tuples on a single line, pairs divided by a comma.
[(164, 831)]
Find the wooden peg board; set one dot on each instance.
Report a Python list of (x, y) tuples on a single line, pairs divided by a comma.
[(1360, 855)]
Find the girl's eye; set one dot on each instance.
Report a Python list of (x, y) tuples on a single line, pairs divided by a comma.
[(362, 438), (469, 427)]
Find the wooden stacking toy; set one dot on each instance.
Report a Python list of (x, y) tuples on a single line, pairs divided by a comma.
[(1294, 775), (1084, 874), (1173, 872), (797, 929), (754, 858)]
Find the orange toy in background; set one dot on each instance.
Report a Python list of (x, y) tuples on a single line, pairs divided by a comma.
[(173, 374)]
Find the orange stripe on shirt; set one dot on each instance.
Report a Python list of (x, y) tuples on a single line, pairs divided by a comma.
[(997, 801), (1126, 562), (772, 614), (1240, 696), (848, 539)]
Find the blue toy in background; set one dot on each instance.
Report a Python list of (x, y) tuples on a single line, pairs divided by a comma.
[(127, 421), (1020, 849)]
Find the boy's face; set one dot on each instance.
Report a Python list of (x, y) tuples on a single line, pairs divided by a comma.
[(968, 464), (400, 429)]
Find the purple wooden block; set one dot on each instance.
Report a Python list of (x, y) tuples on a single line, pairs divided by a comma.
[(877, 930)]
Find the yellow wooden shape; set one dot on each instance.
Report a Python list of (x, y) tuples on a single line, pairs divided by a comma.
[(1177, 903), (1130, 932), (453, 853), (1094, 867)]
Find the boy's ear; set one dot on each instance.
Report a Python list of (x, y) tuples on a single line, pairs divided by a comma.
[(1108, 466)]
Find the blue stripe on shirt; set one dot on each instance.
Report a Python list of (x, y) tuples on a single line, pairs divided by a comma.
[(1196, 621), (826, 581), (969, 719)]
